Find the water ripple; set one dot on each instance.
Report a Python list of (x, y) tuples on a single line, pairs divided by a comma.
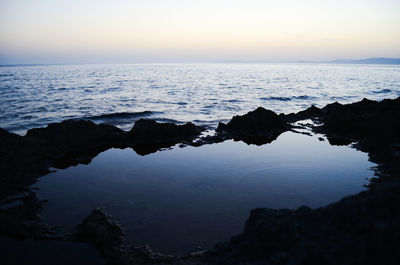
[(32, 96)]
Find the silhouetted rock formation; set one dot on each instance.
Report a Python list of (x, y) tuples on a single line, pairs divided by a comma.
[(373, 126), (72, 142), (22, 220), (148, 136), (260, 126), (100, 230), (359, 229), (150, 131)]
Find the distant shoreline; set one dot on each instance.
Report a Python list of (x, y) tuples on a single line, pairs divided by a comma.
[(375, 60), (381, 60)]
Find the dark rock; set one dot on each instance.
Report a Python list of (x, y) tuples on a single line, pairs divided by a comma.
[(148, 136), (74, 141), (100, 230), (356, 230), (259, 126), (75, 132), (20, 163), (365, 118), (339, 141), (143, 255), (23, 221), (310, 113), (146, 130), (259, 120), (331, 108), (359, 229), (373, 126)]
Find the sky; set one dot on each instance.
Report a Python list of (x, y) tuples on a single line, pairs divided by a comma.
[(131, 31)]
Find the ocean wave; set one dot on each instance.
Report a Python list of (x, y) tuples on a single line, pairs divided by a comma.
[(303, 97), (6, 74), (383, 91), (276, 98), (121, 115), (233, 101), (164, 120)]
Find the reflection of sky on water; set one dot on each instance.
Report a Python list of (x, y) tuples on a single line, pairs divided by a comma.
[(179, 199)]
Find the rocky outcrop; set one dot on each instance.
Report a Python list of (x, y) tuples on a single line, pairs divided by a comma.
[(373, 127), (100, 230), (308, 113), (72, 142), (22, 220), (150, 131), (147, 136), (359, 229), (260, 126)]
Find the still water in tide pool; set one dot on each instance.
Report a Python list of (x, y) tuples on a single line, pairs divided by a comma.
[(179, 199)]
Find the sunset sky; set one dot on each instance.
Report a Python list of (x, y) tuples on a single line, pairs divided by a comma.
[(126, 31)]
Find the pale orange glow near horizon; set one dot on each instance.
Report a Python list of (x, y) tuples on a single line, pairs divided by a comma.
[(135, 31)]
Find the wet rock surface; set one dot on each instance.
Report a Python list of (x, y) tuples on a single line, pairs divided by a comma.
[(25, 158), (100, 230), (359, 229), (148, 136), (259, 127), (22, 220), (373, 126)]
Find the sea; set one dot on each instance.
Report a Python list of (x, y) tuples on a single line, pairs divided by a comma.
[(184, 199), (36, 95)]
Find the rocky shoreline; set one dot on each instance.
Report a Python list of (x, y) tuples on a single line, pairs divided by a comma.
[(359, 229)]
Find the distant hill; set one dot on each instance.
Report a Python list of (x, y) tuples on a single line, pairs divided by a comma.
[(361, 61)]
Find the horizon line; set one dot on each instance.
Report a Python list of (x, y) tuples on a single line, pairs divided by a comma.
[(396, 60)]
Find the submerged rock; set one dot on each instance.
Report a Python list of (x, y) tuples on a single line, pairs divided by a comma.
[(100, 230), (23, 220), (103, 232)]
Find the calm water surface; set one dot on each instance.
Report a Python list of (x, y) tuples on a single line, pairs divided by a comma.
[(176, 200)]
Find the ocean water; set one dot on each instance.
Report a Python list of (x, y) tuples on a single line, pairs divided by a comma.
[(179, 199), (34, 96)]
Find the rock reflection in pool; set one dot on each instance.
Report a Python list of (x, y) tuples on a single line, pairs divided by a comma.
[(179, 199)]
